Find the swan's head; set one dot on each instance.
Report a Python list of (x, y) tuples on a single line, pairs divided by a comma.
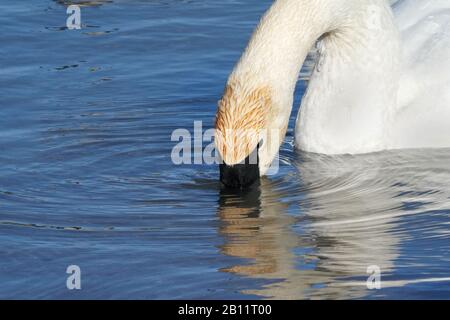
[(245, 136)]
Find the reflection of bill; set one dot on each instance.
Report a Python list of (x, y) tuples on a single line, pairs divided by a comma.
[(318, 238), (74, 19)]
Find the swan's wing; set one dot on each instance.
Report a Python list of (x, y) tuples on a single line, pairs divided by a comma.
[(425, 35), (411, 12), (424, 95)]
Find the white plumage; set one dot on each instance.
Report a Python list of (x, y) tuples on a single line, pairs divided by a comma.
[(381, 80)]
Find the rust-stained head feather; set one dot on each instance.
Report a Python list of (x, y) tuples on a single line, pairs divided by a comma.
[(241, 116)]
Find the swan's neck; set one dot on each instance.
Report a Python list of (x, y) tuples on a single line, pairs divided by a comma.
[(354, 83)]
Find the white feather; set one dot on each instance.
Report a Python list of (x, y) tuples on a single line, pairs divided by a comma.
[(381, 80)]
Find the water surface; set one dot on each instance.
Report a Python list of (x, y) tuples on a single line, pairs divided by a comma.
[(86, 176)]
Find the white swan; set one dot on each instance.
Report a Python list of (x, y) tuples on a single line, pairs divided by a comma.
[(380, 82)]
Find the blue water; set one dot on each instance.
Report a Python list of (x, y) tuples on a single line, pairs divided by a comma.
[(86, 176)]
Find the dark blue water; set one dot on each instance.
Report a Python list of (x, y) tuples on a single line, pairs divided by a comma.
[(86, 176)]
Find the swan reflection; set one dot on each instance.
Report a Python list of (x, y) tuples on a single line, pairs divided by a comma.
[(315, 232)]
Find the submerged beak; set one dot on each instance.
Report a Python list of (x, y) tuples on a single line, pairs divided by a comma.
[(242, 175)]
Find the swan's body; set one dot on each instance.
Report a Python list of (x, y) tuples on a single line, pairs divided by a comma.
[(381, 81), (391, 92), (423, 108)]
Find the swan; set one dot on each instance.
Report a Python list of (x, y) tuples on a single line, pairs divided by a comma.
[(381, 81)]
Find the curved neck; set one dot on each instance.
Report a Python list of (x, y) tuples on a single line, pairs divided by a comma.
[(281, 42), (358, 41)]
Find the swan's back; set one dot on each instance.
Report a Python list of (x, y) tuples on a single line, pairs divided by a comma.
[(424, 96)]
